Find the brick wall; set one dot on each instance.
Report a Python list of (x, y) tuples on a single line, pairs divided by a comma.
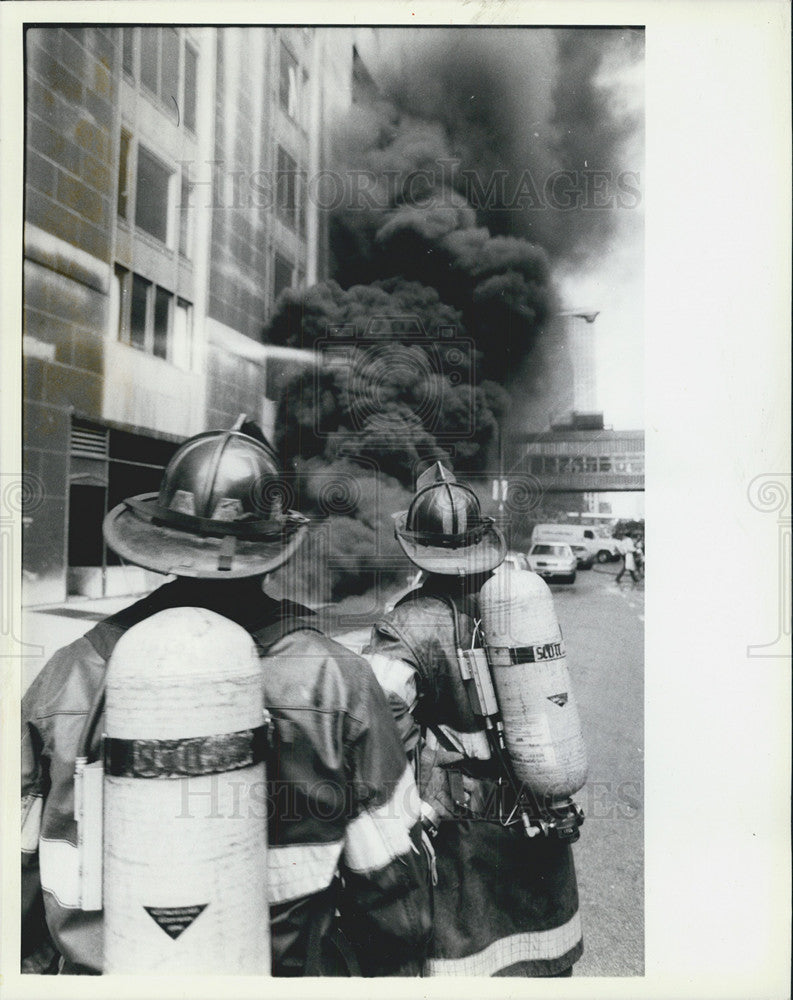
[(71, 106), (69, 211)]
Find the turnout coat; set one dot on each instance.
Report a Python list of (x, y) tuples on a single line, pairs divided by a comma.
[(353, 809), (504, 904)]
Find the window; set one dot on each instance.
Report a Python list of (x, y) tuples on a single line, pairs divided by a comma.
[(150, 318), (159, 64), (128, 51), (305, 100), (190, 83), (138, 312), (162, 322), (123, 175), (149, 58), (152, 199), (293, 89), (289, 205), (169, 67), (282, 275), (287, 82)]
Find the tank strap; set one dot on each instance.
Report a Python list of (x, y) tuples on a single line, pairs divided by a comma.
[(268, 636)]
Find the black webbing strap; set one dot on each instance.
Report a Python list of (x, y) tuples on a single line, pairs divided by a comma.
[(510, 656), (190, 757), (247, 528)]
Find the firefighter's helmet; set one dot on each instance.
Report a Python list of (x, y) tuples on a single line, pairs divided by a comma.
[(444, 531), (221, 513)]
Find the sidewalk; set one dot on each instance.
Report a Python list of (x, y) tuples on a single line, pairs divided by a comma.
[(45, 629)]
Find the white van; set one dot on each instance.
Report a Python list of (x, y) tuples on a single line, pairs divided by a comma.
[(583, 539)]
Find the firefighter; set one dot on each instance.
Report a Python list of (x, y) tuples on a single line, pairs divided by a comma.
[(504, 904), (218, 527)]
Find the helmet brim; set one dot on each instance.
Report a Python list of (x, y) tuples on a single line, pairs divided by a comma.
[(171, 551), (468, 560)]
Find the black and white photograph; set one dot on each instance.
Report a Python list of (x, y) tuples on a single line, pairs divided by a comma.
[(344, 357)]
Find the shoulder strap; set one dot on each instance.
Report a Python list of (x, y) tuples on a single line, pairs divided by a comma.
[(287, 623)]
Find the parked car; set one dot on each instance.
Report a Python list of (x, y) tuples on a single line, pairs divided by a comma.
[(602, 547), (553, 561), (583, 556)]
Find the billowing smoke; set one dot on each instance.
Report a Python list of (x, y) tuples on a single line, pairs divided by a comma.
[(539, 122), (479, 163)]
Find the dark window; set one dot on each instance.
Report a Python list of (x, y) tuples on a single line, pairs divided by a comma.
[(159, 65), (283, 275), (162, 315), (151, 196), (190, 82), (149, 57), (287, 82), (128, 51), (305, 100), (289, 204), (152, 319), (137, 324), (123, 174), (169, 67)]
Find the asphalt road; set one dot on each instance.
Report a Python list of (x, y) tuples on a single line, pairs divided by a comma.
[(603, 625)]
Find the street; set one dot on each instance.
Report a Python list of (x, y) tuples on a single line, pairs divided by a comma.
[(603, 625)]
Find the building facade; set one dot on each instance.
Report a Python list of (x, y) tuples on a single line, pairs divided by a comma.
[(581, 466), (167, 205), (572, 459)]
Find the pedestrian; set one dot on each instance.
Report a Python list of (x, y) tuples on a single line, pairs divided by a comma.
[(639, 557), (504, 904), (218, 527), (628, 550)]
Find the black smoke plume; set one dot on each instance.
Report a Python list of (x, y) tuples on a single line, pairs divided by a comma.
[(451, 226)]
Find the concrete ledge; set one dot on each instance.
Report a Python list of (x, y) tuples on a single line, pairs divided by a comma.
[(56, 254)]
